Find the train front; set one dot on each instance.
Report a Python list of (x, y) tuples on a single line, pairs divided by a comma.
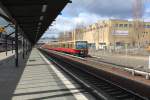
[(82, 46)]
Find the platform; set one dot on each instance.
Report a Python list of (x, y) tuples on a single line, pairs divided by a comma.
[(42, 80), (3, 54), (10, 74)]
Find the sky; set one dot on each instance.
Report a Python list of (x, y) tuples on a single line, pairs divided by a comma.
[(85, 12), (3, 23)]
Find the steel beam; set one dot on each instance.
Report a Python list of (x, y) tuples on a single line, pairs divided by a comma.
[(6, 45), (26, 47), (12, 45)]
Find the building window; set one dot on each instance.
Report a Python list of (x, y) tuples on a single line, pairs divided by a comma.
[(120, 25), (148, 26), (125, 25), (116, 25)]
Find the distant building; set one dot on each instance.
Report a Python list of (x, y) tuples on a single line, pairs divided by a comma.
[(116, 33), (111, 34), (47, 40), (66, 36)]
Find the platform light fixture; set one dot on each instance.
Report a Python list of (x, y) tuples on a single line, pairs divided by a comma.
[(39, 23), (44, 8), (41, 17), (38, 27)]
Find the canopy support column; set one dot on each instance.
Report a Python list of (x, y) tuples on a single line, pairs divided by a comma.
[(12, 45), (16, 45), (23, 47), (6, 45)]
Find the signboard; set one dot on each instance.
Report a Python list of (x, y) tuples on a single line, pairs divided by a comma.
[(2, 29), (120, 32)]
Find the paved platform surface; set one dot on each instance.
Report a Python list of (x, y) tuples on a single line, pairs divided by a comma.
[(3, 54), (10, 75), (43, 81)]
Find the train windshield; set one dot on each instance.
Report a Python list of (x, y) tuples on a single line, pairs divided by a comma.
[(81, 45)]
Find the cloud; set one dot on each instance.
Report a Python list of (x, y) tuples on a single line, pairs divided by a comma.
[(109, 8), (63, 23), (86, 12)]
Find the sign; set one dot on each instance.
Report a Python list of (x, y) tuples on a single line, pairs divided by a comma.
[(2, 29), (120, 32)]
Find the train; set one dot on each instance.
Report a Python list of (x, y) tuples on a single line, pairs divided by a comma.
[(78, 48)]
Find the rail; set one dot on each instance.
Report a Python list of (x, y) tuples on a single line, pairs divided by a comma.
[(133, 70), (103, 88)]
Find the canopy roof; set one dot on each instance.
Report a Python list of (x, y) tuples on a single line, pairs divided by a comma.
[(34, 16)]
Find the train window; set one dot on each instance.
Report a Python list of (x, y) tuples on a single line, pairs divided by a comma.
[(67, 45), (63, 45), (71, 45), (81, 44)]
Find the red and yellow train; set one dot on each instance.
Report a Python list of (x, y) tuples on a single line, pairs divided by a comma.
[(79, 48)]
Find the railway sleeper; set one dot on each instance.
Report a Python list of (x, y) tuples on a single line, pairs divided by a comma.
[(86, 75)]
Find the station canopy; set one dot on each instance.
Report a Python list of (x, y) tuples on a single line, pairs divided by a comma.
[(34, 16)]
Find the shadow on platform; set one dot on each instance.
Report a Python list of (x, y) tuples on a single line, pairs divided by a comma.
[(10, 76)]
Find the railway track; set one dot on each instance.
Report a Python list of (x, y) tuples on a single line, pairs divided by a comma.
[(98, 86)]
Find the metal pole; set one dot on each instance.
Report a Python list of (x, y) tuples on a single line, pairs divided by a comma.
[(16, 46), (23, 46), (12, 46), (26, 46), (149, 62), (6, 45)]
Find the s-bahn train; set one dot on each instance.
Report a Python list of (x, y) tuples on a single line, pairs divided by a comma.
[(79, 48)]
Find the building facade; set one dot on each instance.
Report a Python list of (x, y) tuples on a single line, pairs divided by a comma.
[(116, 34), (111, 34)]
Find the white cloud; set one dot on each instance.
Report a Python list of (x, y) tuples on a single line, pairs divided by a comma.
[(63, 23), (110, 8), (89, 11)]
